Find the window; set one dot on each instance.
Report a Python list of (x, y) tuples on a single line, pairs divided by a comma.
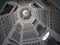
[(18, 27), (30, 34), (18, 30), (10, 44), (7, 9), (16, 36), (39, 27), (13, 42), (36, 5), (36, 43), (52, 41), (34, 22), (15, 8)]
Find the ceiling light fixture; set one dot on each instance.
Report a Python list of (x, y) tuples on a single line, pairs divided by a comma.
[(45, 36)]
